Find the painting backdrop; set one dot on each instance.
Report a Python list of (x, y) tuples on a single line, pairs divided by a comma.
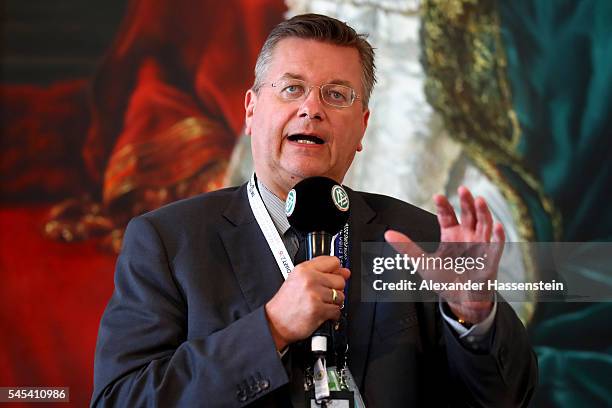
[(113, 108)]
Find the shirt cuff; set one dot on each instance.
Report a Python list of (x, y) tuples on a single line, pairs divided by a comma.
[(476, 335)]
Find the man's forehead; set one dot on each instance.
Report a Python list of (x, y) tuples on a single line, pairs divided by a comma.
[(300, 58)]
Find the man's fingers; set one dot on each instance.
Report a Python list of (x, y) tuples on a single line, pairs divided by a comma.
[(330, 280), (344, 272), (339, 298), (324, 272), (331, 312), (484, 220), (402, 243), (323, 263), (499, 235), (445, 212), (331, 267), (328, 264), (499, 239), (468, 208), (328, 296)]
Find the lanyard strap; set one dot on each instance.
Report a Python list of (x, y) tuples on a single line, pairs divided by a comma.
[(283, 260), (341, 246)]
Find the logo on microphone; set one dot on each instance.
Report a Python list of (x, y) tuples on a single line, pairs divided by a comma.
[(340, 198), (290, 203)]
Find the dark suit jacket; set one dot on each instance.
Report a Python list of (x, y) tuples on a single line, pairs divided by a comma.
[(186, 324)]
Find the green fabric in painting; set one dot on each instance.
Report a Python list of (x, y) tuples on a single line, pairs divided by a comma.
[(560, 68)]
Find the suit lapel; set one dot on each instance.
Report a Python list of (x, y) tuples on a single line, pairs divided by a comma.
[(259, 277), (251, 258), (362, 228)]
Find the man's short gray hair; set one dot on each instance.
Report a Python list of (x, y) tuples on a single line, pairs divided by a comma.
[(325, 29)]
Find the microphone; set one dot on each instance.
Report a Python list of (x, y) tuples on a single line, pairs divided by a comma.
[(319, 208)]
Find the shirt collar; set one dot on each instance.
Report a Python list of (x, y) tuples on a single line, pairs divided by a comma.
[(276, 208)]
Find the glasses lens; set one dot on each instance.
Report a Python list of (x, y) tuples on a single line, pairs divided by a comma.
[(337, 95), (332, 94), (290, 89)]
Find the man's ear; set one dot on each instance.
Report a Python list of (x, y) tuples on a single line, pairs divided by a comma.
[(250, 100), (366, 118)]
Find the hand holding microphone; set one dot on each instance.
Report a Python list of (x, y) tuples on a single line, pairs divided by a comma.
[(305, 300), (317, 206)]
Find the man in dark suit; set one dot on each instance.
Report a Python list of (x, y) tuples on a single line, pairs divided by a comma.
[(201, 314)]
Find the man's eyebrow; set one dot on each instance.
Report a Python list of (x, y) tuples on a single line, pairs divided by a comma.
[(289, 75), (341, 82)]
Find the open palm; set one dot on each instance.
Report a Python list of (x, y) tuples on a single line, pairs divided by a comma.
[(474, 236)]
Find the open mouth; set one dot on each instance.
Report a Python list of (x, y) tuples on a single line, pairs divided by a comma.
[(306, 139)]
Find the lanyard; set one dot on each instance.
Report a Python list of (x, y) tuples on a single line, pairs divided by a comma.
[(285, 264), (341, 246)]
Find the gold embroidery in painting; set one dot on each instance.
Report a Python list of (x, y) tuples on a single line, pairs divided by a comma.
[(466, 83), (189, 158)]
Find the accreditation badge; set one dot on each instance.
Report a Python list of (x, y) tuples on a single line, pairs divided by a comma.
[(337, 399), (343, 391)]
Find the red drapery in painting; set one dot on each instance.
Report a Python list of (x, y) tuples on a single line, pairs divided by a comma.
[(157, 123), (167, 107)]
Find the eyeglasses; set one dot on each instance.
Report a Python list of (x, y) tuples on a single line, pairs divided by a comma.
[(339, 96)]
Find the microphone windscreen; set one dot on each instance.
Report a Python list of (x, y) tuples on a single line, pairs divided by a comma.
[(317, 204)]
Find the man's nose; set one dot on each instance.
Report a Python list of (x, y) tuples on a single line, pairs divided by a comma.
[(312, 105)]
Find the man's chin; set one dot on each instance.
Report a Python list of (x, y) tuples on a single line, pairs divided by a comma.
[(303, 173)]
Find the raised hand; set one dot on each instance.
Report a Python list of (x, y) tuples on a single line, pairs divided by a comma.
[(476, 236)]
